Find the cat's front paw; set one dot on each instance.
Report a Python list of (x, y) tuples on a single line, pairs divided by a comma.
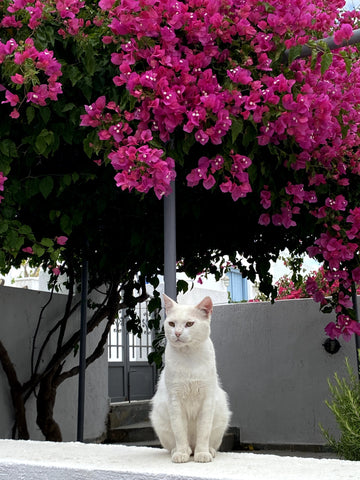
[(203, 457), (180, 456)]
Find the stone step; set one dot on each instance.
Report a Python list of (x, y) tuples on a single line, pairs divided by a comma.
[(125, 413), (142, 434), (228, 444), (129, 424), (136, 432)]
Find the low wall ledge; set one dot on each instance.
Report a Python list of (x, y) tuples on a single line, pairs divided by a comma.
[(77, 461)]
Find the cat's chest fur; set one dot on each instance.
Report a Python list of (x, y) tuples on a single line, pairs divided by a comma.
[(190, 373)]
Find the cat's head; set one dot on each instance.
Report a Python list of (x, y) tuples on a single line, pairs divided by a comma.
[(187, 325)]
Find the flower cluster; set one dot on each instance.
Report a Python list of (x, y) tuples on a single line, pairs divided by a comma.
[(205, 84), (187, 81), (326, 288), (140, 166), (30, 64), (317, 285), (236, 181)]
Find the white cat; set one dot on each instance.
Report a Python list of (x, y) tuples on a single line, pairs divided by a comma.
[(190, 412)]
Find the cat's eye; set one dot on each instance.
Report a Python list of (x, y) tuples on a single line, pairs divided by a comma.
[(171, 324), (189, 324)]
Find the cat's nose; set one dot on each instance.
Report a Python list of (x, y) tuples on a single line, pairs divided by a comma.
[(178, 334)]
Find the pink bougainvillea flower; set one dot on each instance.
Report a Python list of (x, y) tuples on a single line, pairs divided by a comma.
[(339, 203), (14, 114), (264, 219), (265, 198), (61, 240), (56, 271), (2, 180), (356, 275), (11, 98), (344, 33), (17, 78), (28, 250)]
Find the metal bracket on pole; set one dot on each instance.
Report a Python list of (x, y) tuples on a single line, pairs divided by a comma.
[(170, 244)]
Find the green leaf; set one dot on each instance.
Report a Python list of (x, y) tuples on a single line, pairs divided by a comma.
[(66, 224), (45, 114), (30, 114), (32, 187), (236, 128), (50, 34), (188, 143), (326, 61), (249, 135), (2, 260), (43, 140), (326, 308), (45, 37), (3, 226), (75, 177), (25, 230), (14, 242), (54, 214), (348, 62), (8, 148), (38, 250), (182, 286), (294, 52), (89, 61), (314, 56), (67, 107), (74, 74), (67, 179), (47, 242), (154, 304), (93, 140), (46, 185)]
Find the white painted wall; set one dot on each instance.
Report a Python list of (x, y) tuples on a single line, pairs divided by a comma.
[(272, 364), (270, 359), (20, 309)]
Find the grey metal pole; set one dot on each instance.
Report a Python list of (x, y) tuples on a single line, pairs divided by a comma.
[(170, 244), (82, 352), (306, 51)]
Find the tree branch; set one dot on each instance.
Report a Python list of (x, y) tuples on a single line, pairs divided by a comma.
[(37, 330), (67, 313)]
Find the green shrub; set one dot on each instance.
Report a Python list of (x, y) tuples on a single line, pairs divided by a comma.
[(345, 405)]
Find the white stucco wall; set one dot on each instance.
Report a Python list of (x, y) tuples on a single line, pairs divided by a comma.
[(75, 461), (270, 360), (272, 364), (19, 313)]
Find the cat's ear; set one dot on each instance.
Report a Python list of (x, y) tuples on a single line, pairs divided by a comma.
[(168, 302), (206, 306)]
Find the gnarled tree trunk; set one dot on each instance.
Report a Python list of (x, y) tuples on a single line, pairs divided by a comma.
[(16, 391), (45, 408)]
